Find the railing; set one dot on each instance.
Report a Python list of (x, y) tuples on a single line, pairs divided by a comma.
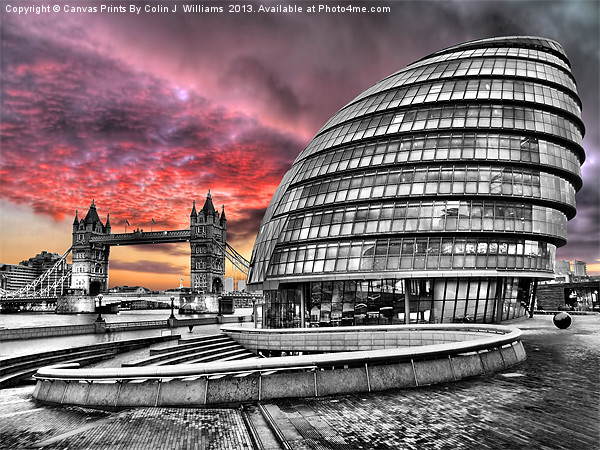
[(146, 324)]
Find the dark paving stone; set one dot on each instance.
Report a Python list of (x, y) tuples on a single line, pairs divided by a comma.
[(549, 401)]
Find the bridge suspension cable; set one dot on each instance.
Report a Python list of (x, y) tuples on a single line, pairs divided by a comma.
[(234, 257), (48, 284)]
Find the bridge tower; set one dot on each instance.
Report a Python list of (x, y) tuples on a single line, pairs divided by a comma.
[(208, 260), (90, 259)]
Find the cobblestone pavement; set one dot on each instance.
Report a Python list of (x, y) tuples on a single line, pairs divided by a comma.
[(550, 401), (25, 425)]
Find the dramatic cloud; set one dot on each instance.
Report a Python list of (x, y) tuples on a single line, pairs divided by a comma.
[(145, 113), (90, 127)]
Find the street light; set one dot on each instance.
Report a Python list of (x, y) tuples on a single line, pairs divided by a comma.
[(172, 306), (99, 318)]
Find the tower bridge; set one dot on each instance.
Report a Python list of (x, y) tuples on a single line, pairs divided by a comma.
[(90, 250)]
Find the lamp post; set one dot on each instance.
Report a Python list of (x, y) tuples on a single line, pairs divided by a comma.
[(254, 311), (172, 307), (99, 318)]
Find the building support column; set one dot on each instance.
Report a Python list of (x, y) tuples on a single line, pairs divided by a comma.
[(533, 298), (302, 306), (406, 303), (499, 299)]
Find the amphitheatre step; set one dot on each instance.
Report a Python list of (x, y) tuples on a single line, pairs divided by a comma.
[(193, 345), (187, 354), (15, 368), (47, 360), (207, 338), (182, 354), (14, 378), (118, 346), (195, 350), (236, 353)]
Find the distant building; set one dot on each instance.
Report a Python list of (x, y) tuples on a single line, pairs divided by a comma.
[(562, 267), (16, 276), (562, 271), (579, 269), (241, 287), (129, 290), (228, 284)]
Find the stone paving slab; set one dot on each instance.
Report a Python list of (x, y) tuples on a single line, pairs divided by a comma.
[(24, 422), (163, 428), (26, 425), (550, 401)]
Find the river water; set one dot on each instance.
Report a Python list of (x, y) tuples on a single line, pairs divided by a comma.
[(41, 319)]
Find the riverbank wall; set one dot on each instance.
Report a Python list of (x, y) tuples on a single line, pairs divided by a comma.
[(9, 334)]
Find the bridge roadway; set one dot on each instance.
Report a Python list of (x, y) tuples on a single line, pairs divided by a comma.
[(108, 298), (144, 237)]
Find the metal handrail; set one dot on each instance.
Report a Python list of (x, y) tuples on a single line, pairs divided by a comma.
[(136, 324)]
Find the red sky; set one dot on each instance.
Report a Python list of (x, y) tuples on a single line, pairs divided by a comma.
[(145, 113)]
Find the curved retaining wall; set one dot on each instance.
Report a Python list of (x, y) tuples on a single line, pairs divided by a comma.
[(354, 338), (293, 376)]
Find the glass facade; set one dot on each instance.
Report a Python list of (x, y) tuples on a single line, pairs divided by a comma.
[(440, 194)]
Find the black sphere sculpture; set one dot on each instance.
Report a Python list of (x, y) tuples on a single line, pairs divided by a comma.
[(562, 320)]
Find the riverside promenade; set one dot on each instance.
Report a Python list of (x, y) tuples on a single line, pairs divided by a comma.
[(550, 401)]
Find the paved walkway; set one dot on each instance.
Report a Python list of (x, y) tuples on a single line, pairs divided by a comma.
[(551, 401), (28, 346)]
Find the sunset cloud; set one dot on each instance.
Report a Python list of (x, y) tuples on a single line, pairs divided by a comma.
[(137, 144), (146, 113)]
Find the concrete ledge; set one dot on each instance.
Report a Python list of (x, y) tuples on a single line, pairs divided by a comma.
[(10, 334), (293, 376), (357, 338)]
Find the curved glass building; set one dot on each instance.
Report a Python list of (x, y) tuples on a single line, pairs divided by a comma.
[(440, 194)]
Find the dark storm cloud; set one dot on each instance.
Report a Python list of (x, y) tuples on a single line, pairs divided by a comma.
[(250, 77), (245, 227)]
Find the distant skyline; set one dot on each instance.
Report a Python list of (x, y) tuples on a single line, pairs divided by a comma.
[(145, 113)]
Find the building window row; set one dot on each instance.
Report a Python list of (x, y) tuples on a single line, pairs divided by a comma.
[(441, 147), (472, 89), (390, 183), (502, 52), (541, 44), (449, 116), (396, 301), (503, 67), (412, 254), (401, 217)]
